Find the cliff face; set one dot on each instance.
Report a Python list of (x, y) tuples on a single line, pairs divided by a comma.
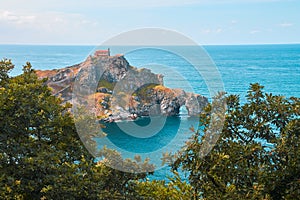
[(118, 90)]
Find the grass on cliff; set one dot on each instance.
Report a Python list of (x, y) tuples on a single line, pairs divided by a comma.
[(143, 91), (106, 84)]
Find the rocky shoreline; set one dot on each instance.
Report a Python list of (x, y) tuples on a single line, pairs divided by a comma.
[(115, 90)]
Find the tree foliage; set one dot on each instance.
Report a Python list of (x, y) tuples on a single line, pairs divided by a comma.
[(41, 154), (175, 189), (257, 154)]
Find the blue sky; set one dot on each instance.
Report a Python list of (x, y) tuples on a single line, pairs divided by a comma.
[(204, 21)]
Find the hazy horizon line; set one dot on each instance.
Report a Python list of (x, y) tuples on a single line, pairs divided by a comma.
[(62, 44)]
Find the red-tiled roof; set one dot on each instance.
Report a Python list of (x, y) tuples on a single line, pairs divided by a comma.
[(102, 52)]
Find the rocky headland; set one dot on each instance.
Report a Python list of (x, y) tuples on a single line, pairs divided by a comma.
[(119, 91)]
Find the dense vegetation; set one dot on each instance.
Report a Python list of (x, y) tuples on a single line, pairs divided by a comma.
[(257, 154), (41, 154), (42, 157)]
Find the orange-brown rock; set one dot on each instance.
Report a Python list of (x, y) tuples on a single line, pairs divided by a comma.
[(118, 90)]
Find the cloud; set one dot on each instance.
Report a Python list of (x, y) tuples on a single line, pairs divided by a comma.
[(255, 31), (47, 27), (92, 4), (212, 31), (286, 24), (104, 4), (153, 3), (11, 17), (219, 30), (241, 1), (233, 22), (49, 21), (206, 31)]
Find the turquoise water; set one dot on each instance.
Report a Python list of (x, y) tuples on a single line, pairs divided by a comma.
[(277, 67)]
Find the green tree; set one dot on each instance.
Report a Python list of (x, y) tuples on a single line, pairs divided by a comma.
[(5, 67), (257, 154), (175, 189), (41, 154)]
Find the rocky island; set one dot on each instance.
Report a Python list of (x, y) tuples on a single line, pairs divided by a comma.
[(118, 90)]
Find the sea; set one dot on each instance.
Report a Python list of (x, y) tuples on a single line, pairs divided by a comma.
[(275, 66)]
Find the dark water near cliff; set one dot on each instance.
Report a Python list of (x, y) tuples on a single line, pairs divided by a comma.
[(277, 67)]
